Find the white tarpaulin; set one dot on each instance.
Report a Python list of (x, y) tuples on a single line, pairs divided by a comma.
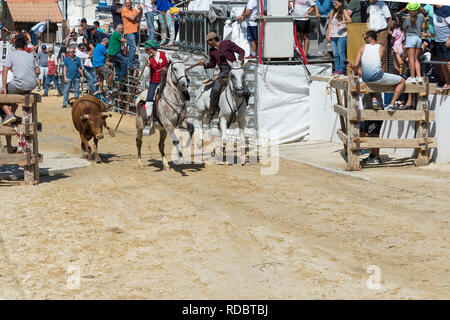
[(283, 101), (199, 5), (237, 31)]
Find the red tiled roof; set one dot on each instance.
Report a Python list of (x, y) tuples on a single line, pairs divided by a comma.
[(34, 11)]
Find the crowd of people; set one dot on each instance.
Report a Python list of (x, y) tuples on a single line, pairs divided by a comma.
[(417, 32)]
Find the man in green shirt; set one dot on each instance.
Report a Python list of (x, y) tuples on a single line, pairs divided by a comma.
[(115, 44), (354, 10)]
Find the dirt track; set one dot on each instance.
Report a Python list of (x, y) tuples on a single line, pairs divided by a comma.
[(216, 231)]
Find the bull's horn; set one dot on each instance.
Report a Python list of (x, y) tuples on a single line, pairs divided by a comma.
[(106, 114), (84, 117)]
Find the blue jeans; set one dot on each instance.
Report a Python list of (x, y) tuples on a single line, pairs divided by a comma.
[(151, 91), (90, 77), (120, 64), (339, 51), (76, 89), (131, 42), (34, 38), (48, 80), (150, 18)]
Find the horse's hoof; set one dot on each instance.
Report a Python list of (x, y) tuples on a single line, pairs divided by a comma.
[(180, 161), (112, 134), (98, 161)]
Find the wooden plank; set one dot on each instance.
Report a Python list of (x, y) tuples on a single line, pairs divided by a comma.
[(9, 131), (422, 128), (14, 98), (409, 88), (372, 142), (340, 82), (35, 142), (342, 136), (340, 110), (12, 158), (353, 156), (406, 115)]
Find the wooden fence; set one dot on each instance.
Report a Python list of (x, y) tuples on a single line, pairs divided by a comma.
[(26, 127)]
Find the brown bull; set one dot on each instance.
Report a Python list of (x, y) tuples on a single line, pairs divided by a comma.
[(89, 116)]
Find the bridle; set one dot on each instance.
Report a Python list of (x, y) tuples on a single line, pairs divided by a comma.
[(233, 92), (175, 76)]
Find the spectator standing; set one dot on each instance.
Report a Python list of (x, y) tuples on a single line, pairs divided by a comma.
[(52, 72), (86, 62), (42, 58), (441, 21), (116, 11), (102, 70), (115, 43), (166, 22), (379, 19), (131, 17), (324, 7), (251, 13), (149, 12), (36, 32), (97, 26), (96, 36), (302, 10), (413, 42), (354, 10), (73, 70), (337, 34), (398, 36)]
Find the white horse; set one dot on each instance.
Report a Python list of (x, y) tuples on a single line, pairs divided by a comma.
[(232, 103), (169, 113)]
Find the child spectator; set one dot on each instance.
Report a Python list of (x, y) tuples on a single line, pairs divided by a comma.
[(413, 42), (398, 36), (337, 34)]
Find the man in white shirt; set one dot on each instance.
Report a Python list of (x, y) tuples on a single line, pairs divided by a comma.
[(251, 13), (36, 32), (302, 10), (379, 19)]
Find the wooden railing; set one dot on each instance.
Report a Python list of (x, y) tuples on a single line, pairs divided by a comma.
[(30, 127), (350, 115)]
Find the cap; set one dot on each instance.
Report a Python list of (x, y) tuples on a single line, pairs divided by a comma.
[(50, 48), (412, 6), (151, 44), (211, 36), (92, 27), (44, 46)]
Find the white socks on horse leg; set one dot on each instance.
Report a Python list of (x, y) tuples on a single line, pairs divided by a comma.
[(149, 108)]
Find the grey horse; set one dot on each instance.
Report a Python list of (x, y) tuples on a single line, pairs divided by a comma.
[(169, 114)]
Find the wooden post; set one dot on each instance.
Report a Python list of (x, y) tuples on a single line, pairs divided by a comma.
[(353, 156), (422, 128), (35, 138), (28, 169)]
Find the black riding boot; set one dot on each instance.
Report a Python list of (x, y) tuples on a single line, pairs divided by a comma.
[(213, 105)]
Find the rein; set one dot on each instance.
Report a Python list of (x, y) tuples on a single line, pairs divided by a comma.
[(174, 91)]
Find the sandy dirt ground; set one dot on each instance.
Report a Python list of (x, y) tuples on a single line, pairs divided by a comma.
[(113, 231)]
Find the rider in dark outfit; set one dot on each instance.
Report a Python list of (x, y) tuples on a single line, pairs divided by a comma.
[(220, 52)]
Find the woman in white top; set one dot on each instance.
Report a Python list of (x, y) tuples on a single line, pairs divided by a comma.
[(337, 34)]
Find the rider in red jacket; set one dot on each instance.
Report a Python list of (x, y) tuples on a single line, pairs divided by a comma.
[(157, 62)]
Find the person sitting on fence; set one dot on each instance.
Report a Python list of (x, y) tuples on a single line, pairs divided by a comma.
[(219, 54), (24, 80), (37, 31), (369, 57), (119, 60), (52, 73), (72, 72), (101, 66), (157, 62)]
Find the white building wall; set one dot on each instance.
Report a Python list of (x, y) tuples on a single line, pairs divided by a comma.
[(75, 12)]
